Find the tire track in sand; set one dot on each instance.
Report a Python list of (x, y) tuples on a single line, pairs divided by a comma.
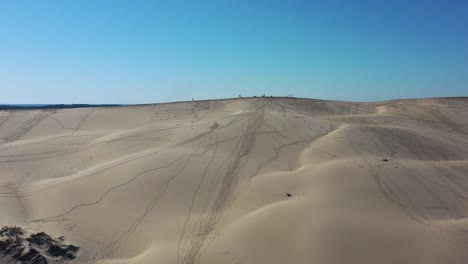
[(21, 131), (232, 165)]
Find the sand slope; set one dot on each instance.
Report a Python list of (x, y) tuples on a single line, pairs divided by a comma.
[(255, 180)]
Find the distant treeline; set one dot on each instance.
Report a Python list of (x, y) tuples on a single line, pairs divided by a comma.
[(53, 106)]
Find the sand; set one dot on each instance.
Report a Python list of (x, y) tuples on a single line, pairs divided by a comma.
[(253, 180)]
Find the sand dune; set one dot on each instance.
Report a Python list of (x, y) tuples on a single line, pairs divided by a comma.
[(253, 180)]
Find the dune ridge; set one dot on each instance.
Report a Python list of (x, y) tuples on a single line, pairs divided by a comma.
[(249, 180)]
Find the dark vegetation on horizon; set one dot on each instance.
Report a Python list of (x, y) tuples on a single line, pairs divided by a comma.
[(54, 106)]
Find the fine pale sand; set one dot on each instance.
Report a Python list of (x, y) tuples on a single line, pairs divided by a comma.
[(254, 180)]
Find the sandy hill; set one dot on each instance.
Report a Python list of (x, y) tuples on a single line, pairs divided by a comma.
[(255, 180)]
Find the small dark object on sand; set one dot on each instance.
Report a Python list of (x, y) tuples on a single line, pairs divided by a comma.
[(385, 160), (214, 126), (288, 194)]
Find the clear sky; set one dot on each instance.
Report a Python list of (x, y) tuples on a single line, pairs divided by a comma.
[(116, 51)]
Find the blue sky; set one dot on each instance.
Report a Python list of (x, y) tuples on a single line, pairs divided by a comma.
[(119, 51)]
